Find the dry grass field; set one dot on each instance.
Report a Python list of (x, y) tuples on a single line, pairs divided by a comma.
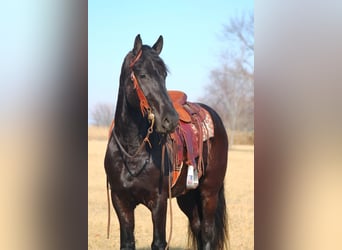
[(239, 194)]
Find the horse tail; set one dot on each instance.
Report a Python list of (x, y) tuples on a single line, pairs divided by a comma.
[(192, 238), (221, 227), (221, 222)]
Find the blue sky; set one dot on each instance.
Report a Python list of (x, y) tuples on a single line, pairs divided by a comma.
[(192, 45)]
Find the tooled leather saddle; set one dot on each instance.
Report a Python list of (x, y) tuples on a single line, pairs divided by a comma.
[(195, 127)]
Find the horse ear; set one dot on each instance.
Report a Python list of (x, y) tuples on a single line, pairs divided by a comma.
[(158, 45), (137, 44)]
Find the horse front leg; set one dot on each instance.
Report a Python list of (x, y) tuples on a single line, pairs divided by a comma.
[(158, 209), (125, 212)]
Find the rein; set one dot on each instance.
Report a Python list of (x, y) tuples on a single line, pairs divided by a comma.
[(145, 140)]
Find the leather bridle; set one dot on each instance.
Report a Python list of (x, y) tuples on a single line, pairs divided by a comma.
[(144, 107)]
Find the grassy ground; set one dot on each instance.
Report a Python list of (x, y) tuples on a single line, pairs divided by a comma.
[(239, 193)]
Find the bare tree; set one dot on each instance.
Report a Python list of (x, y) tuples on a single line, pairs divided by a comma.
[(240, 36), (103, 114), (231, 90)]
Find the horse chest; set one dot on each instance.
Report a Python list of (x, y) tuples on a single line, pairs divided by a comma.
[(139, 176)]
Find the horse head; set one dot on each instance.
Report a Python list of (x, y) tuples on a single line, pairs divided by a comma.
[(143, 76)]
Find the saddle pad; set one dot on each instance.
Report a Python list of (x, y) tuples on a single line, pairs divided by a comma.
[(207, 126)]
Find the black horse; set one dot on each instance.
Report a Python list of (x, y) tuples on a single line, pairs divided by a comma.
[(144, 117)]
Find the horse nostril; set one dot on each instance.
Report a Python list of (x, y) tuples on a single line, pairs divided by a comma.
[(166, 123), (169, 123)]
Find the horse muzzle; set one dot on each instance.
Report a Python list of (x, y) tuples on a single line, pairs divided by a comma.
[(167, 123)]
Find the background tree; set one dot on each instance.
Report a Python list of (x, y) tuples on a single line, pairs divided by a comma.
[(102, 114), (231, 88)]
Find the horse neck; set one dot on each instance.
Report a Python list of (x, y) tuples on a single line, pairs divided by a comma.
[(130, 126)]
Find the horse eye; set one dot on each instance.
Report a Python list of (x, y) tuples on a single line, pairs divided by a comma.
[(142, 76)]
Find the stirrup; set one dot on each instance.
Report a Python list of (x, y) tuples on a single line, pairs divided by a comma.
[(192, 178)]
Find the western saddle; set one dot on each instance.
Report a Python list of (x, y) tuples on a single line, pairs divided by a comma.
[(195, 127)]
